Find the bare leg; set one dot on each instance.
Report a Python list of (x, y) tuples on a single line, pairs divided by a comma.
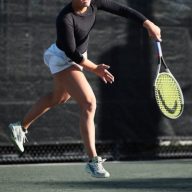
[(77, 86), (70, 82), (43, 105)]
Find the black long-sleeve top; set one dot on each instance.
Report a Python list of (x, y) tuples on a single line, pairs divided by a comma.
[(73, 29)]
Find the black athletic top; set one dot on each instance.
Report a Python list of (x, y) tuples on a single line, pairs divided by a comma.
[(73, 29)]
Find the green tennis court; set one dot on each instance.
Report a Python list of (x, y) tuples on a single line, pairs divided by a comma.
[(148, 176)]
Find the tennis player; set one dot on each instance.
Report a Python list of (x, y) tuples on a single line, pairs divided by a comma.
[(66, 59)]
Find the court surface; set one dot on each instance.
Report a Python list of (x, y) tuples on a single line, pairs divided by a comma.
[(137, 176)]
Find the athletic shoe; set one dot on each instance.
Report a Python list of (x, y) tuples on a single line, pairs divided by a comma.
[(96, 169), (18, 136)]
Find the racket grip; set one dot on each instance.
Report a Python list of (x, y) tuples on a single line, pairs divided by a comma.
[(159, 49)]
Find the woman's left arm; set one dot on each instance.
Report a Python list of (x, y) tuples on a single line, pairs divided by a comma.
[(127, 12)]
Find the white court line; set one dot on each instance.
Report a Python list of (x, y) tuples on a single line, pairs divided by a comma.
[(42, 164), (108, 162)]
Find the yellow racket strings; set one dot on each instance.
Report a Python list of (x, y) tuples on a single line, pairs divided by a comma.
[(168, 95)]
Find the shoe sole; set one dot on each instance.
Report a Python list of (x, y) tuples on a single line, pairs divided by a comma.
[(89, 172), (13, 140)]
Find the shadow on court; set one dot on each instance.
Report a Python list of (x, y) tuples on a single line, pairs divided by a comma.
[(173, 184), (151, 176)]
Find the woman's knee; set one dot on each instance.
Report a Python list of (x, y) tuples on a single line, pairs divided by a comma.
[(89, 105)]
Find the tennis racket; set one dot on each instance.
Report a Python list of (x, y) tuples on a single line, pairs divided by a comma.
[(168, 94)]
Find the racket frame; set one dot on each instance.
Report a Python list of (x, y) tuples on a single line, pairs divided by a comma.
[(160, 62)]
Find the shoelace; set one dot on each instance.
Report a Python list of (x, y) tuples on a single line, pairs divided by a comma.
[(23, 137), (99, 164)]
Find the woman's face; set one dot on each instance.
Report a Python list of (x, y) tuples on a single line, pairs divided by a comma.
[(83, 3)]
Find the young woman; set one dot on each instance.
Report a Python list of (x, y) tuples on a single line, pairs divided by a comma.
[(66, 58)]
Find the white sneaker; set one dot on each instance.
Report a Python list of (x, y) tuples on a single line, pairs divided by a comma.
[(18, 136), (96, 169)]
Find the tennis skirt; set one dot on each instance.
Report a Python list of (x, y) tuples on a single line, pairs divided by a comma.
[(57, 61)]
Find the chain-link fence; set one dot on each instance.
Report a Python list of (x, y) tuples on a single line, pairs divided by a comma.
[(115, 151)]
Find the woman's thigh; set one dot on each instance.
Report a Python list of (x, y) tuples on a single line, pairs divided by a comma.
[(74, 82)]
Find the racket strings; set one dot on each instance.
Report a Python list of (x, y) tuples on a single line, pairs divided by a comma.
[(168, 95), (168, 88)]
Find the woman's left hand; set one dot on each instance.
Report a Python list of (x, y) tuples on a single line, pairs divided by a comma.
[(102, 71)]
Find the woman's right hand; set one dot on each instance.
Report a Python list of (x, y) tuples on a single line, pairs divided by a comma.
[(153, 30), (102, 71)]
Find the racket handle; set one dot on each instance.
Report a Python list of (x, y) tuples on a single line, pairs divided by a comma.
[(160, 54)]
